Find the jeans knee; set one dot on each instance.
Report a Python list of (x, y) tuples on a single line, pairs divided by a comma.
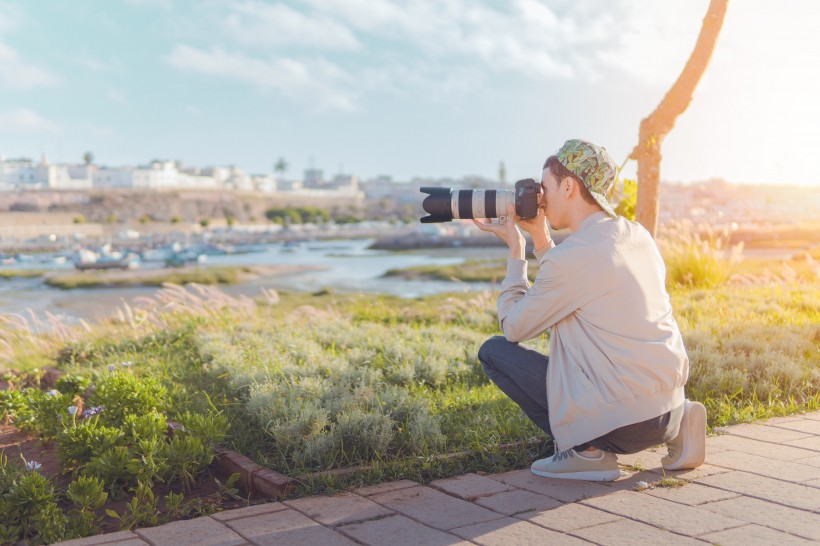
[(489, 349)]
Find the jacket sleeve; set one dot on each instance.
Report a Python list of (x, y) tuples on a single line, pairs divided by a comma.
[(526, 311)]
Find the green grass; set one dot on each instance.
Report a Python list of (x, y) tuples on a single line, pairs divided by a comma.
[(199, 275), (20, 273), (489, 270), (392, 386)]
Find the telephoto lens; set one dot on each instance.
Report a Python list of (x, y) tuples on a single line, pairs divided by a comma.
[(447, 204)]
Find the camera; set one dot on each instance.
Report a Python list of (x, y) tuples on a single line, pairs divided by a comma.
[(446, 204)]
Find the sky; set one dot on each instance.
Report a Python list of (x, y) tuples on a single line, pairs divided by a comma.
[(407, 88)]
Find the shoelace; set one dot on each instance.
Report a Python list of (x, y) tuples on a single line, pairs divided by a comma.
[(562, 455)]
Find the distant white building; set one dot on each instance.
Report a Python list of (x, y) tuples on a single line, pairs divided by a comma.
[(114, 177), (25, 174)]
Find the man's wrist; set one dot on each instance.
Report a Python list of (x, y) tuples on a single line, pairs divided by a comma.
[(542, 241)]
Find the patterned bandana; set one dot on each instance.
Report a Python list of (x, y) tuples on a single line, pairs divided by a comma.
[(593, 166)]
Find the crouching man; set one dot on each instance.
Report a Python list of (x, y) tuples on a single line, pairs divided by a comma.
[(614, 380)]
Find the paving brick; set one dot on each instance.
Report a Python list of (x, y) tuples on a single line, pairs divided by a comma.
[(755, 464), (563, 490), (756, 447), (199, 531), (286, 527), (789, 520), (343, 508), (765, 433), (815, 416), (630, 482), (386, 487), (753, 534), (119, 538), (784, 419), (691, 494), (648, 458), (569, 517), (700, 472), (516, 501), (811, 461), (470, 486), (679, 518), (249, 511), (398, 530), (434, 508), (625, 532), (813, 483), (753, 485), (808, 426), (810, 442), (503, 532)]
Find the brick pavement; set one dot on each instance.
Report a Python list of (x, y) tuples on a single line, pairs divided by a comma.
[(761, 485)]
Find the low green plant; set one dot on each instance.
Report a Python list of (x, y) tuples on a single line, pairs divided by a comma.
[(228, 490), (72, 384), (111, 467), (29, 496), (141, 510), (44, 414), (78, 444), (147, 462), (122, 393), (145, 426), (186, 458), (211, 429), (88, 494)]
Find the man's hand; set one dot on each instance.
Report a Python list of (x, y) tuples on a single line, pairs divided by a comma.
[(507, 231), (537, 228)]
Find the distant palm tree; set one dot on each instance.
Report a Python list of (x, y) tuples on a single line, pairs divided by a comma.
[(88, 157), (281, 166)]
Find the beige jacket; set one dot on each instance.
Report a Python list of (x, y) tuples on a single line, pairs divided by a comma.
[(616, 354)]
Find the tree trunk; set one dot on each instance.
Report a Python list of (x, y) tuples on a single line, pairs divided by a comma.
[(657, 125)]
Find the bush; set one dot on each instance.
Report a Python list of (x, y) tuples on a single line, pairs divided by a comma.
[(121, 393), (697, 257)]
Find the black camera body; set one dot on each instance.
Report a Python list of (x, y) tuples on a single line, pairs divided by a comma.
[(526, 198), (447, 204)]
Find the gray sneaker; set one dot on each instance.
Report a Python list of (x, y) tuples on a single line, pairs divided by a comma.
[(688, 448), (571, 466)]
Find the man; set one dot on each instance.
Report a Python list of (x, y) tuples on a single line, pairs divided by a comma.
[(614, 380)]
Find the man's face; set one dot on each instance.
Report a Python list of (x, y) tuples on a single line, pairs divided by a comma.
[(551, 200)]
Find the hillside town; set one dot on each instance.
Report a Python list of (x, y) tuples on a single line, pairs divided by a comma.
[(42, 199), (26, 174)]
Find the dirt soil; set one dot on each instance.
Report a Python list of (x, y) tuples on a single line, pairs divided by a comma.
[(14, 444)]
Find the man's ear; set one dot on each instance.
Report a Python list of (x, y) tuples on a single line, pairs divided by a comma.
[(571, 187)]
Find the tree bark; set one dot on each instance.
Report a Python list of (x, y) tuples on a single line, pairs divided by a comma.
[(659, 123)]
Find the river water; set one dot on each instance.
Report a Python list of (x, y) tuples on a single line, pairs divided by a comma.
[(345, 266)]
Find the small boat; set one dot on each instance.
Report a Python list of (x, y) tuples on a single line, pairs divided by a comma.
[(87, 259)]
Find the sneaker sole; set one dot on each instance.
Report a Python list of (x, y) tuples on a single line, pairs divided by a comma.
[(589, 475), (693, 455)]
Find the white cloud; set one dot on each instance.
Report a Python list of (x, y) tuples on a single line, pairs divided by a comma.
[(453, 47), (23, 120), (116, 96), (16, 73), (316, 82), (256, 23)]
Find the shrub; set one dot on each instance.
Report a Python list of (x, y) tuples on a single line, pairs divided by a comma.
[(697, 257), (122, 393), (363, 435)]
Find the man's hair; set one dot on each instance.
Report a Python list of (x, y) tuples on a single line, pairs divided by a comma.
[(560, 172)]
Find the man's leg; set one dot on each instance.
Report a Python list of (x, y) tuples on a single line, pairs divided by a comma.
[(521, 373)]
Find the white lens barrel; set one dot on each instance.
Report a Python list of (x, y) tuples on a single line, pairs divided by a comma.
[(480, 203)]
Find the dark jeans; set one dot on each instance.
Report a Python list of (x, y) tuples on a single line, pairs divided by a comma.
[(521, 373)]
